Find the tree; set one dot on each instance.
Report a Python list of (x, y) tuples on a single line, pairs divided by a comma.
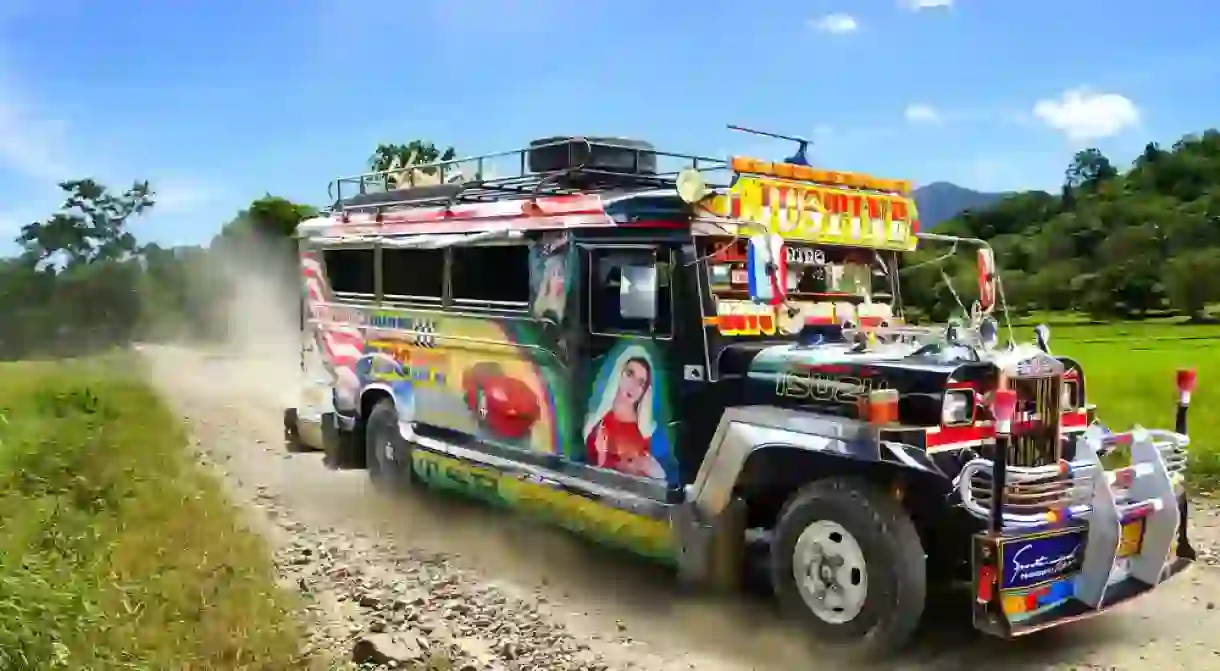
[(269, 218), (90, 226), (416, 152), (1190, 281), (1088, 170)]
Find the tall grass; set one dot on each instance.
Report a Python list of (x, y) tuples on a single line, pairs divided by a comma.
[(116, 551)]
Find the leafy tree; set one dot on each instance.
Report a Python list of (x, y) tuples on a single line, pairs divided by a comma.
[(1088, 170), (90, 226), (417, 152), (1190, 281)]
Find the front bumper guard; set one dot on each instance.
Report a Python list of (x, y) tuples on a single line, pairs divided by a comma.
[(1075, 538)]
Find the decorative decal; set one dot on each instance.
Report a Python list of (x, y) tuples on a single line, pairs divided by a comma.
[(549, 277), (1032, 561), (626, 428)]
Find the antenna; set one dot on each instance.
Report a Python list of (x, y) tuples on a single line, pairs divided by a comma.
[(802, 144)]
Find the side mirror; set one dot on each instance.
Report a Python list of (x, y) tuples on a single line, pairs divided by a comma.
[(767, 269), (637, 292), (1042, 335), (986, 272), (989, 333)]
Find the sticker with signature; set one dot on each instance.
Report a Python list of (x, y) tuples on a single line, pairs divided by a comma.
[(1029, 562)]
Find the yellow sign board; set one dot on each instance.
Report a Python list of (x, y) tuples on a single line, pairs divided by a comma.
[(812, 213)]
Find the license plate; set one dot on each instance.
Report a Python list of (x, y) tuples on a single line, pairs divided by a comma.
[(1132, 538), (739, 277)]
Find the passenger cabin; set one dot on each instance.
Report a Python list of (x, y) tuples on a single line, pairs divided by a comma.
[(575, 313)]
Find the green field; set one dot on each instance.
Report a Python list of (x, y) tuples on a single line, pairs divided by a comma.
[(1129, 373), (116, 551)]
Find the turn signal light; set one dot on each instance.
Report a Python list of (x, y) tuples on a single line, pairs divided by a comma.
[(880, 407)]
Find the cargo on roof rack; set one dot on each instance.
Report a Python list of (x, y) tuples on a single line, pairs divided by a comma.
[(547, 167)]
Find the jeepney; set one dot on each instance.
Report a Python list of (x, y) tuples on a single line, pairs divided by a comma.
[(673, 353)]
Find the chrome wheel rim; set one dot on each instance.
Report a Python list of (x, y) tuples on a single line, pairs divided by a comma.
[(830, 571)]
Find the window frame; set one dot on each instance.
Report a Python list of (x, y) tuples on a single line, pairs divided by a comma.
[(659, 253), (452, 301), (376, 269), (404, 299)]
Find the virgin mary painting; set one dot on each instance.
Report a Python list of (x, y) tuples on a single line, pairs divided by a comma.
[(618, 432)]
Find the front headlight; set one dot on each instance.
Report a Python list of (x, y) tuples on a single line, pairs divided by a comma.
[(958, 407)]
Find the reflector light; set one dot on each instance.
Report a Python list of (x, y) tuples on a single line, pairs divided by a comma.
[(1186, 385), (1004, 406)]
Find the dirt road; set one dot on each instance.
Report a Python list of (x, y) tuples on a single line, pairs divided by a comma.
[(425, 576)]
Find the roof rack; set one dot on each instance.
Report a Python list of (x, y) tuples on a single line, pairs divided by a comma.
[(577, 166)]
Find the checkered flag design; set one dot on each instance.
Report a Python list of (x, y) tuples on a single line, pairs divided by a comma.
[(424, 330)]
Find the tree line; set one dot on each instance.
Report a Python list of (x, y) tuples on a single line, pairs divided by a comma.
[(83, 282), (1110, 243), (1113, 244)]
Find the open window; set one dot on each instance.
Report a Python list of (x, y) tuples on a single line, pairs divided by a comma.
[(412, 274), (495, 276), (629, 292), (351, 272)]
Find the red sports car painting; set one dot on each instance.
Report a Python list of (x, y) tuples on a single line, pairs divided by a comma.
[(503, 405)]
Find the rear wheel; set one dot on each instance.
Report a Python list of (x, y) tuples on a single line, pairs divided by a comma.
[(388, 455), (848, 563)]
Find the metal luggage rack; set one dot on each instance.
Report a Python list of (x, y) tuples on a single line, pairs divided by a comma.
[(1047, 496), (476, 179)]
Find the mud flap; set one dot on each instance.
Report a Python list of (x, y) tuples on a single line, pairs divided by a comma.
[(339, 444), (711, 552)]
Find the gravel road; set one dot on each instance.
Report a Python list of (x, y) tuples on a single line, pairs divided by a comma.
[(423, 577)]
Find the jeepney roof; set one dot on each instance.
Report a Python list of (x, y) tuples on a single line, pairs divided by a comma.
[(745, 196)]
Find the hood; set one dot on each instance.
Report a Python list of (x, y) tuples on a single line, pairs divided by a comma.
[(831, 379)]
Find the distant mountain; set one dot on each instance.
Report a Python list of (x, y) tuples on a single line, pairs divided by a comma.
[(941, 201)]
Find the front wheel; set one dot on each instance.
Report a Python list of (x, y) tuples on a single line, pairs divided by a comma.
[(848, 562), (388, 455)]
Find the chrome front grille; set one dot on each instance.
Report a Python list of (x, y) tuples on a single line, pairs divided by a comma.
[(1036, 431)]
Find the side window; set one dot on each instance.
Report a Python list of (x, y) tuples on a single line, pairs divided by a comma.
[(412, 274), (495, 275), (620, 284), (350, 271)]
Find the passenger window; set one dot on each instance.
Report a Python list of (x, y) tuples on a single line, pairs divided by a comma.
[(417, 274), (350, 271), (494, 275), (608, 312)]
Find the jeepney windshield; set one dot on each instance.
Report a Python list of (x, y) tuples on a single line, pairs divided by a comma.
[(826, 284), (813, 272)]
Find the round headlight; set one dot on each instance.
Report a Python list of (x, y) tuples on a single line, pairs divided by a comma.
[(958, 407)]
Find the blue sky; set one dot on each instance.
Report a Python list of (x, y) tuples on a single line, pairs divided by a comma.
[(220, 101)]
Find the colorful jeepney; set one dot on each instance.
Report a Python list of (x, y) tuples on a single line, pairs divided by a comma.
[(676, 358)]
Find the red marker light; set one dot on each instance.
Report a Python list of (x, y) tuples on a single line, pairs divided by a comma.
[(1004, 406), (1186, 384)]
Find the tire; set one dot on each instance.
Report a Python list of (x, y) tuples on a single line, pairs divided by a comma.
[(613, 154), (893, 579), (381, 437)]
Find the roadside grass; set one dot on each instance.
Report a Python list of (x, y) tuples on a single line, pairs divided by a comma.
[(116, 551), (1129, 373)]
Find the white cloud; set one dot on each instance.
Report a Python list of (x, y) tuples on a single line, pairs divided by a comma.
[(836, 24), (1083, 115), (917, 5), (920, 113)]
